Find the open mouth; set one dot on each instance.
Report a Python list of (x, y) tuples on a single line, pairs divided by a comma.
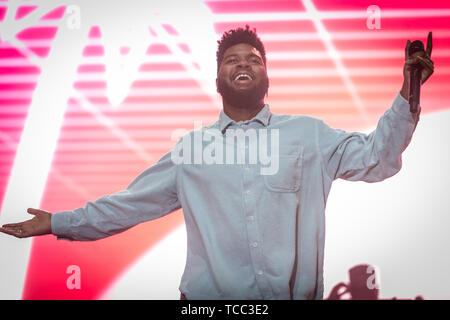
[(243, 77)]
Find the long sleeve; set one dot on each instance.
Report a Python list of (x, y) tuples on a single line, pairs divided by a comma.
[(151, 195), (373, 157)]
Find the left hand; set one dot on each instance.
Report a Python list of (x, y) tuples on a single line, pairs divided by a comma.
[(422, 57)]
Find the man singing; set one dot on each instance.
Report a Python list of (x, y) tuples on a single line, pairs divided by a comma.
[(250, 234)]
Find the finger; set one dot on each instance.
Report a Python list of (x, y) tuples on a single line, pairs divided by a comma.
[(7, 231), (12, 228), (408, 44), (340, 285), (344, 291), (13, 225), (426, 63), (428, 70), (12, 232), (411, 61), (429, 44), (33, 211)]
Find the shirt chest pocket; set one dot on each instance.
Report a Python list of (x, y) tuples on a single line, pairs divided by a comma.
[(288, 176)]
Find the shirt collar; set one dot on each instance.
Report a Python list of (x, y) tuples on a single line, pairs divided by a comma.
[(263, 117)]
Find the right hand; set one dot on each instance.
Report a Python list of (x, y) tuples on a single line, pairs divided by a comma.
[(39, 225)]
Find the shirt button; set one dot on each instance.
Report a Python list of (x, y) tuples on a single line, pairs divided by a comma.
[(247, 169), (260, 272), (251, 218), (254, 244), (247, 192)]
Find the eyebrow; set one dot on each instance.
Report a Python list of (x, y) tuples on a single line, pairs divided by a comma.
[(236, 55)]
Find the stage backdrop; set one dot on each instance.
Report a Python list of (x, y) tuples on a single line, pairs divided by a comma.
[(92, 91)]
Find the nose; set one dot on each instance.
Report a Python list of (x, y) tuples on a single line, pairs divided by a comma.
[(243, 63)]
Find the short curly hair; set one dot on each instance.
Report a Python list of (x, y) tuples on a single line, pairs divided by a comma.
[(237, 36)]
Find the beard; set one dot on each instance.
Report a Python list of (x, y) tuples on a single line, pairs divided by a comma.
[(243, 98)]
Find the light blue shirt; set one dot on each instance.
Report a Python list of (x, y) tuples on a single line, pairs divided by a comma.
[(250, 235)]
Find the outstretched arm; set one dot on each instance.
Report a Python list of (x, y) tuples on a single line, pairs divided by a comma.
[(151, 195)]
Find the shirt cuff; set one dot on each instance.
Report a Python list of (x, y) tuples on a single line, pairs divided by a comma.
[(60, 225), (401, 107)]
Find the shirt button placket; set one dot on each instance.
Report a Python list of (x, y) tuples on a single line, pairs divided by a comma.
[(252, 232)]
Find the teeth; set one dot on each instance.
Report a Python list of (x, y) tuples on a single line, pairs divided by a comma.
[(246, 76)]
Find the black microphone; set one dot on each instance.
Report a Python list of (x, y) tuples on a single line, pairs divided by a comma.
[(415, 77)]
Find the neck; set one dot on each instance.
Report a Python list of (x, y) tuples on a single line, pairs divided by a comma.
[(238, 113)]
